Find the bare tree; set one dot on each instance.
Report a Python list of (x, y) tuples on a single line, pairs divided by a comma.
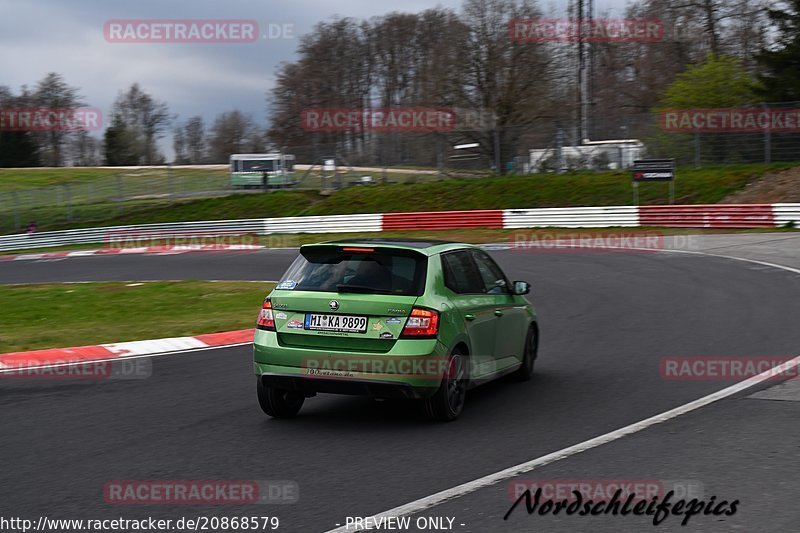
[(512, 80), (233, 132), (335, 70), (196, 145), (84, 150), (53, 93), (469, 62), (179, 147), (190, 143), (148, 117)]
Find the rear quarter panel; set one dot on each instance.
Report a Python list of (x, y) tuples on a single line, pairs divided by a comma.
[(451, 324)]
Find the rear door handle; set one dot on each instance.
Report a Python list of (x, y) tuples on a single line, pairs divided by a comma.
[(469, 317), (498, 312)]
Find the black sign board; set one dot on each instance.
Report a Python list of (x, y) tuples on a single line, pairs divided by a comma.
[(654, 170)]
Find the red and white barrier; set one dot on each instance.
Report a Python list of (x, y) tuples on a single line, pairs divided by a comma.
[(492, 218), (677, 216), (708, 216), (572, 217)]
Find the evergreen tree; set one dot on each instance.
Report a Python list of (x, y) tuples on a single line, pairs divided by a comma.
[(18, 149), (781, 63), (120, 144)]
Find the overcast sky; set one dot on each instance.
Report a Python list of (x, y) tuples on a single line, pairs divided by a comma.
[(41, 36)]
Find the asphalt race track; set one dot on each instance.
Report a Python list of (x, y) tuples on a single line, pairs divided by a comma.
[(606, 321)]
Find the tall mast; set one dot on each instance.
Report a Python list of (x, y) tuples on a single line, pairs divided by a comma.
[(581, 122)]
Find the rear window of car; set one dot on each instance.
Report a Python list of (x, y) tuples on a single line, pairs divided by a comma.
[(357, 270)]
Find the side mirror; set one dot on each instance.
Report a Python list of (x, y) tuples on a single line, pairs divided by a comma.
[(521, 288)]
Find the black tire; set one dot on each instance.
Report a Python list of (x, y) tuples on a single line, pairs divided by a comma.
[(448, 401), (279, 403), (524, 372)]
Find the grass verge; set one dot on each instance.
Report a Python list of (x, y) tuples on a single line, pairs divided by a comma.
[(14, 179), (84, 314)]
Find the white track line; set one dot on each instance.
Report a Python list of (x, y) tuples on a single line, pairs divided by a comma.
[(720, 256), (506, 247), (756, 261), (491, 479), (461, 490)]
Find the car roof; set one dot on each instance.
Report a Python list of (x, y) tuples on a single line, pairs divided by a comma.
[(425, 246)]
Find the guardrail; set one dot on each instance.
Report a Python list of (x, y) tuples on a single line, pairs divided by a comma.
[(572, 217), (697, 216), (101, 235), (708, 216), (324, 224), (786, 214), (443, 220)]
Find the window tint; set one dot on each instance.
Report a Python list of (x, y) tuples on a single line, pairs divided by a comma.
[(460, 274), (490, 274), (328, 269)]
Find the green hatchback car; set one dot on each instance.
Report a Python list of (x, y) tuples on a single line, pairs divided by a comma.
[(414, 319)]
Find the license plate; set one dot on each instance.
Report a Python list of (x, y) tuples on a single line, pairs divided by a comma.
[(347, 323)]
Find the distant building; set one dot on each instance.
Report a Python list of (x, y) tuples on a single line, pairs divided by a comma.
[(597, 155), (262, 170)]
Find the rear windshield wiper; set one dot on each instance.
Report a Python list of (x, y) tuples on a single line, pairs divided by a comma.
[(361, 289)]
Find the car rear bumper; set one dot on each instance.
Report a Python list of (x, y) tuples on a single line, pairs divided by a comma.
[(413, 368), (359, 387)]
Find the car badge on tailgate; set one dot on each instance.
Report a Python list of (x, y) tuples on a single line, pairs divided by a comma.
[(334, 305)]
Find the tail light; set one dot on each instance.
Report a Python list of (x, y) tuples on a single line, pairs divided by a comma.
[(265, 319), (422, 324)]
